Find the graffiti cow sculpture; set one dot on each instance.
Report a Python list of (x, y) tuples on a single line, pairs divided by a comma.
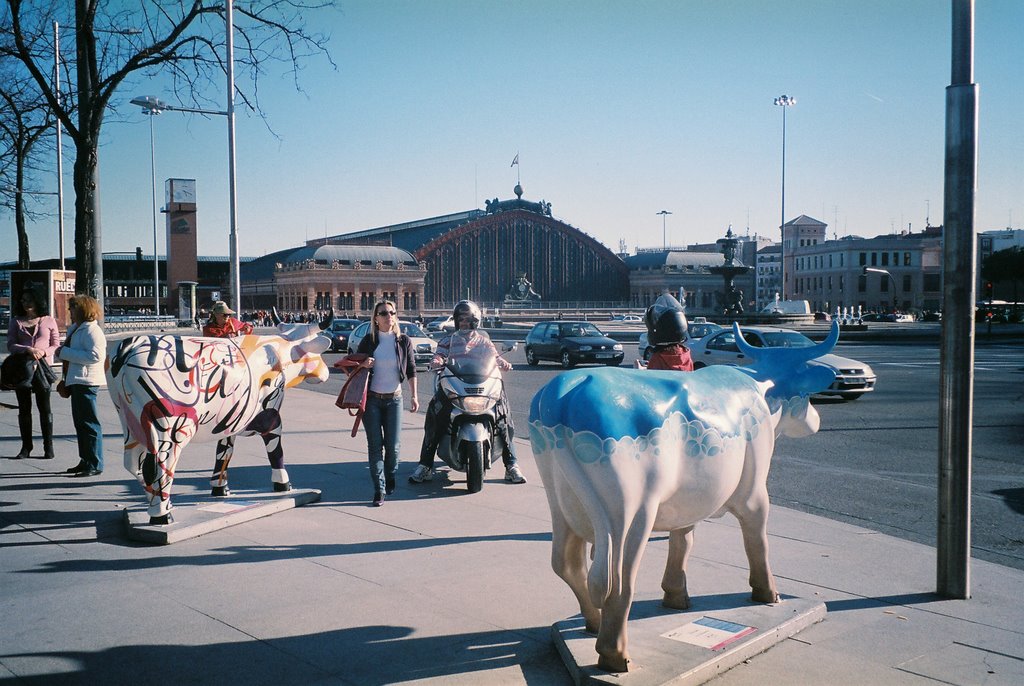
[(623, 453), (172, 390)]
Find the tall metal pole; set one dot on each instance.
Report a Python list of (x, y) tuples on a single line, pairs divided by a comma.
[(57, 130), (664, 239), (785, 102), (956, 370), (235, 276), (152, 171)]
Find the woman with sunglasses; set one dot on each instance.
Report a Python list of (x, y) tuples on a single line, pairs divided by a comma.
[(391, 361)]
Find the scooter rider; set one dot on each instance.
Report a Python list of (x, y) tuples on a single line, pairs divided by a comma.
[(464, 341)]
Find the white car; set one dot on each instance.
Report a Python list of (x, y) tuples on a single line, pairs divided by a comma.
[(853, 378), (443, 323), (423, 346)]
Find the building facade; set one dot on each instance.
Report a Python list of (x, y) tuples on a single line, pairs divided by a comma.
[(890, 272)]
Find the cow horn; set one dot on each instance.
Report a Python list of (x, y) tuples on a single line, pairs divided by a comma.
[(741, 342), (826, 346), (326, 323), (275, 316)]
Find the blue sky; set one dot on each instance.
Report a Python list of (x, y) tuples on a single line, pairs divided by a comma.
[(616, 109)]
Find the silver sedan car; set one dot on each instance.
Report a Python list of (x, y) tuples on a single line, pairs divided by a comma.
[(853, 378)]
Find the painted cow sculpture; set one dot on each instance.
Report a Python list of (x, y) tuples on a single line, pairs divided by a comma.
[(624, 452), (172, 390)]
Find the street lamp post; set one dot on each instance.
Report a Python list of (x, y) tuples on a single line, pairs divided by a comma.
[(892, 279), (785, 102), (664, 240), (152, 107), (150, 102)]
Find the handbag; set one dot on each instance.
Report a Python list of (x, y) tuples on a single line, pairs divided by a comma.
[(17, 371), (62, 388), (353, 394)]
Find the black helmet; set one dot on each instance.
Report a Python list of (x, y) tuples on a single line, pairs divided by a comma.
[(666, 321), (466, 307)]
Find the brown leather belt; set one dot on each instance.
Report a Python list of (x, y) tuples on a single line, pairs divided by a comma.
[(382, 396)]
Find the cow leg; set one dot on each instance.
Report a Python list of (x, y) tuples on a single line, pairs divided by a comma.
[(753, 518), (680, 542), (569, 562), (219, 479), (158, 475), (626, 555), (268, 424)]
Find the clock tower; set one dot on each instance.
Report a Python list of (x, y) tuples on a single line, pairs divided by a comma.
[(182, 245)]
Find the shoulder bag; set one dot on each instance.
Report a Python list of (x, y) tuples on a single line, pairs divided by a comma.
[(353, 394)]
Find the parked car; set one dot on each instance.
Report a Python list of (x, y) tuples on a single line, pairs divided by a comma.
[(571, 343), (701, 329), (632, 318), (853, 378), (443, 323), (822, 317), (339, 333), (422, 345)]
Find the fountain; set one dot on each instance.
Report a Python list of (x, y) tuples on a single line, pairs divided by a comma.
[(731, 297)]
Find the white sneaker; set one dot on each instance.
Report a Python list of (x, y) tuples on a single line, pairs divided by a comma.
[(421, 474), (514, 476)]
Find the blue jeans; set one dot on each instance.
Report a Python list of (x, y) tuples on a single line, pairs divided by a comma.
[(87, 424), (382, 420)]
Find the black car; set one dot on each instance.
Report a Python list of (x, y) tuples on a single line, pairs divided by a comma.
[(339, 333), (571, 343)]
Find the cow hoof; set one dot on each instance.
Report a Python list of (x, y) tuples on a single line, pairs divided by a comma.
[(162, 520), (764, 595), (613, 664), (281, 488), (220, 491), (676, 601)]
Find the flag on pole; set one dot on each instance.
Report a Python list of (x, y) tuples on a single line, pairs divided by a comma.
[(515, 161)]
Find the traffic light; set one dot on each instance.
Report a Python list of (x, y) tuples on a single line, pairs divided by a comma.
[(988, 290)]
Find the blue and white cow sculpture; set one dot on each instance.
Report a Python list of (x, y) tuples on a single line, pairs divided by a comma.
[(625, 452)]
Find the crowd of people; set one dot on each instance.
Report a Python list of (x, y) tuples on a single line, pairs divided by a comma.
[(387, 355)]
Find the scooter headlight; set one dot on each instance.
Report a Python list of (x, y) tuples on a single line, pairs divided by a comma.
[(475, 404)]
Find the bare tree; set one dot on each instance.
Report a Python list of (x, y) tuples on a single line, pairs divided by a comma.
[(182, 39), (24, 119)]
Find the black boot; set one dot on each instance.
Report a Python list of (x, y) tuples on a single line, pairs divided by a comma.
[(25, 425), (46, 426)]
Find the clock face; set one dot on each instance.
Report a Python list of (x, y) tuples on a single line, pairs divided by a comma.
[(183, 190)]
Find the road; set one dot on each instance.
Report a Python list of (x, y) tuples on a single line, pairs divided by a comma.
[(874, 462)]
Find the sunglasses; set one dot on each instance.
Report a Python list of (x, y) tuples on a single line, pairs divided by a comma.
[(386, 313)]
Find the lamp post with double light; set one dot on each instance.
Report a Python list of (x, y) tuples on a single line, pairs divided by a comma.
[(785, 102), (664, 239), (152, 107), (149, 102)]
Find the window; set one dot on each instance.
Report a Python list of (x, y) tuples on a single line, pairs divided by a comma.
[(906, 259), (885, 259), (862, 283), (863, 259), (932, 282), (906, 283), (874, 259)]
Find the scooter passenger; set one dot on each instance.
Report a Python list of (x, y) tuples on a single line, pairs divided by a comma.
[(465, 340)]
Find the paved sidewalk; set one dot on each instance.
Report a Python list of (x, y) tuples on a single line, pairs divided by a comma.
[(436, 587)]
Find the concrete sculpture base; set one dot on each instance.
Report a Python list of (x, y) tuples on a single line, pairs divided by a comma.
[(198, 515), (680, 647)]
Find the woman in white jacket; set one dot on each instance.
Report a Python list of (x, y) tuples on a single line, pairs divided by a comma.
[(84, 351)]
